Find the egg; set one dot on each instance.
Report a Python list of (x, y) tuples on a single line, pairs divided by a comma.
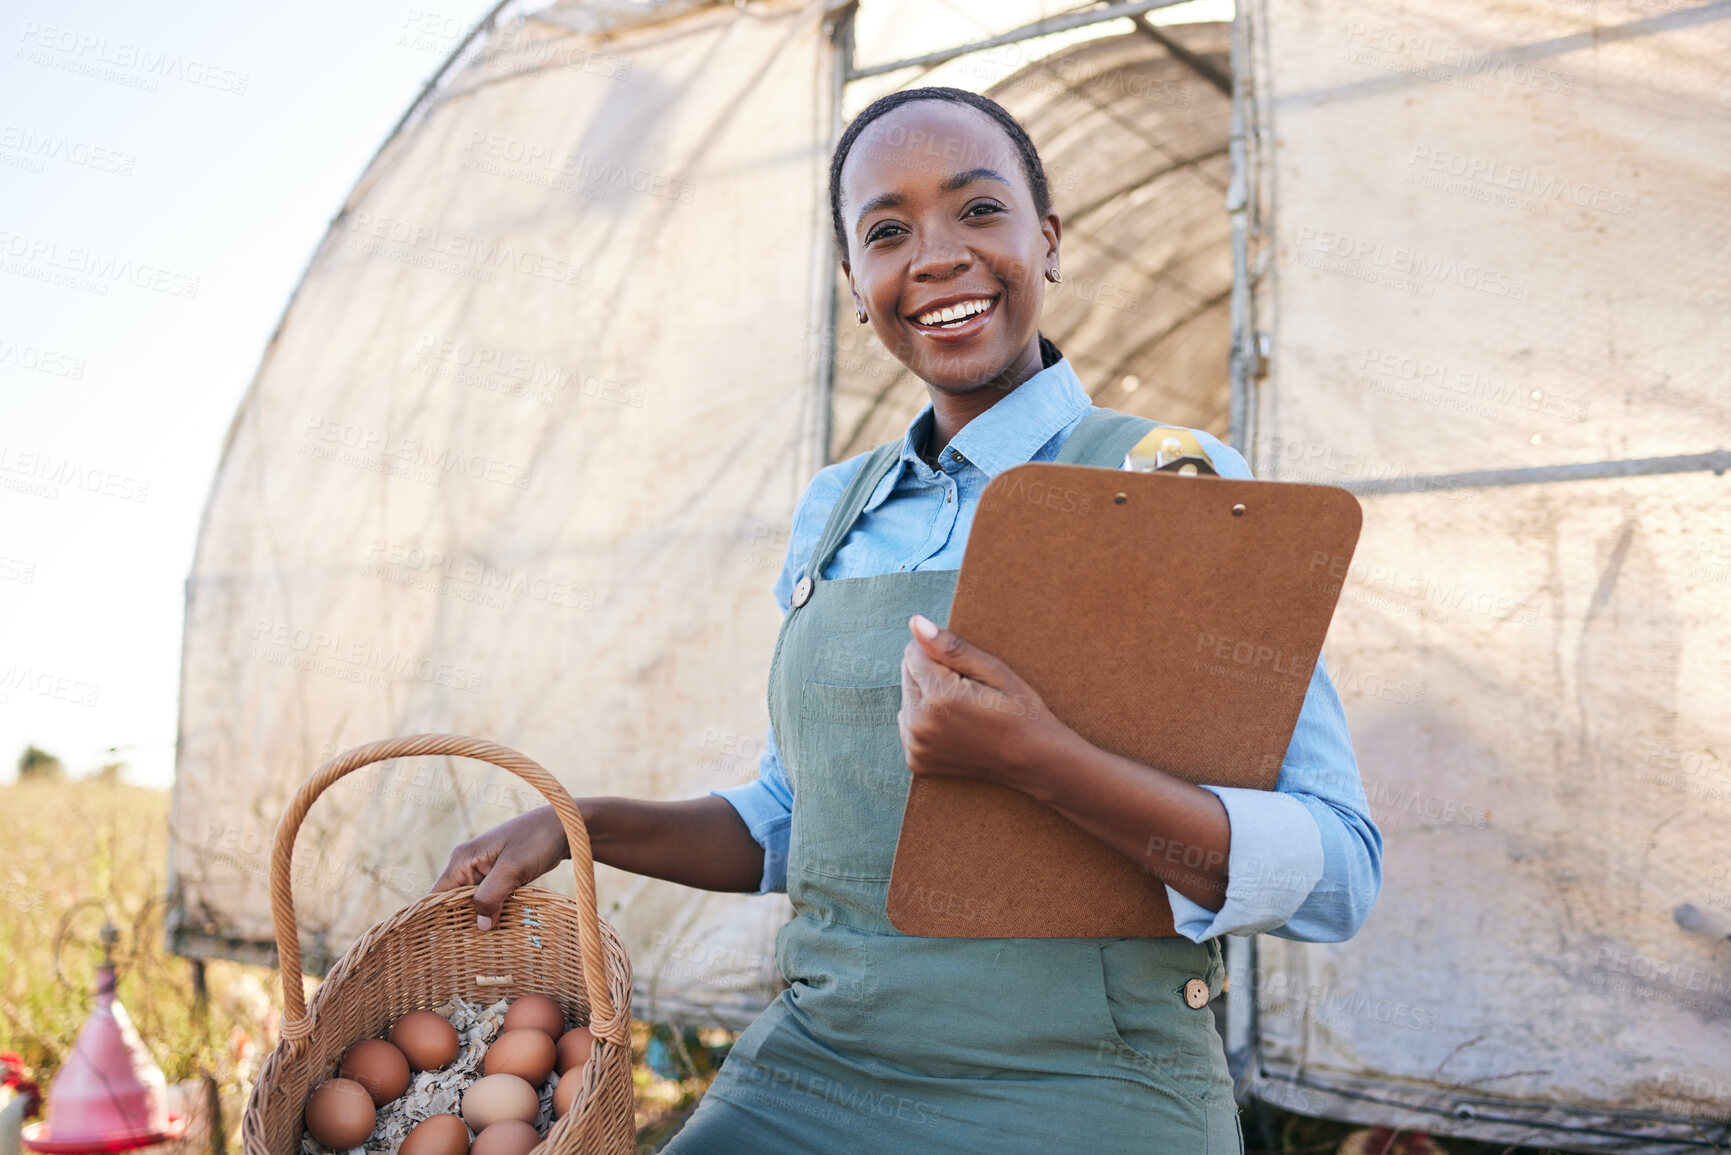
[(537, 1011), (507, 1137), (566, 1091), (428, 1041), (340, 1114), (377, 1066), (496, 1097), (438, 1135), (524, 1052), (574, 1047)]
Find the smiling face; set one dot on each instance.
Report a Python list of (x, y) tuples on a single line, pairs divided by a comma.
[(947, 253)]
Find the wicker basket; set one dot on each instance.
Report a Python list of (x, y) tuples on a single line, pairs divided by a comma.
[(431, 950)]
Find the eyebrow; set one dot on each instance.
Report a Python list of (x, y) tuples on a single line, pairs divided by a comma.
[(963, 179), (959, 181)]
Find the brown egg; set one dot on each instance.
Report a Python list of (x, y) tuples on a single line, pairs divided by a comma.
[(507, 1137), (428, 1040), (536, 1011), (377, 1066), (574, 1047), (497, 1097), (438, 1135), (566, 1091), (524, 1052), (340, 1114)]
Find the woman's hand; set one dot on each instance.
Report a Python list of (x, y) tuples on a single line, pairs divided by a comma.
[(966, 714), (498, 861), (699, 842)]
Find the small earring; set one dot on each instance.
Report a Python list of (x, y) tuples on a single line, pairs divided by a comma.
[(862, 317), (1054, 276)]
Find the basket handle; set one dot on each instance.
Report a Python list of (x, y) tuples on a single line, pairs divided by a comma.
[(606, 1020)]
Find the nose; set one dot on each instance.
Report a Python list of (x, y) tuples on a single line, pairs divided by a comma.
[(940, 256)]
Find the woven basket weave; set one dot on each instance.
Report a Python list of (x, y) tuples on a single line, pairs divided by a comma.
[(431, 950)]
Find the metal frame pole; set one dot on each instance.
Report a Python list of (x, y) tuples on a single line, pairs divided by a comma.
[(1244, 367), (1046, 27), (1245, 363), (840, 29)]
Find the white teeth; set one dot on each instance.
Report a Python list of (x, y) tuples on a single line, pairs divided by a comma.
[(955, 312)]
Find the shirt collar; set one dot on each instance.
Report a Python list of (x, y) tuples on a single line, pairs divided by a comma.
[(1016, 426)]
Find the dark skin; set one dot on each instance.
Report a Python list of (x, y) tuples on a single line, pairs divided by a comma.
[(924, 231)]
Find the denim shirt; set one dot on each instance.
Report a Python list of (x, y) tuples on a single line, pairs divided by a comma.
[(1305, 860)]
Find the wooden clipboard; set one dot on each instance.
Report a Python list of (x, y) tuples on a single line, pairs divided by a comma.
[(1173, 620)]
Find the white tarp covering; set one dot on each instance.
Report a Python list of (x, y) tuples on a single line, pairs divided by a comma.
[(518, 464), (521, 460), (1134, 144), (1493, 239)]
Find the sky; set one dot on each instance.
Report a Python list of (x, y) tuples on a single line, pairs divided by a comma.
[(166, 172), (201, 188)]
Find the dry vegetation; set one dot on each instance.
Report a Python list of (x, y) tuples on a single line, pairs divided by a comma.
[(75, 853), (79, 852)]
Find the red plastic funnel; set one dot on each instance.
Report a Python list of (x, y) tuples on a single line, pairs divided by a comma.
[(109, 1095)]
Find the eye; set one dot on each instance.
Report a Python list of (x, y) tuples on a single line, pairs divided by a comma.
[(880, 231), (982, 208)]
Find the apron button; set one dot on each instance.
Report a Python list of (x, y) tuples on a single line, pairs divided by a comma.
[(1196, 994), (802, 592)]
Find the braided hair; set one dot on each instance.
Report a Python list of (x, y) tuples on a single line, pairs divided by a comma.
[(1018, 135)]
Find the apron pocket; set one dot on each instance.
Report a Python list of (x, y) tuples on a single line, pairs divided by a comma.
[(861, 779), (851, 705), (1146, 1025)]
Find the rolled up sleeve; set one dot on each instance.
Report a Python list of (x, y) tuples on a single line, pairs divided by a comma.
[(765, 804), (1305, 861)]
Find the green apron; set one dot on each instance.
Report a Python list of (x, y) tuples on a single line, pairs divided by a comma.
[(892, 1043)]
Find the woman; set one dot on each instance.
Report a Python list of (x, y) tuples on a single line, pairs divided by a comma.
[(885, 1042)]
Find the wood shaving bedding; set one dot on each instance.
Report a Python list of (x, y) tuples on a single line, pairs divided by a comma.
[(441, 1092)]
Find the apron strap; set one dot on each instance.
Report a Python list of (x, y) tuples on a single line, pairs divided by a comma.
[(1103, 437), (851, 501)]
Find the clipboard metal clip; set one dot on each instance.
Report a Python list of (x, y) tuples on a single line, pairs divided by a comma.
[(1169, 450)]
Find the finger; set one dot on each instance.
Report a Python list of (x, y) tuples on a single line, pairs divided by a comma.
[(936, 685), (903, 729), (948, 649), (492, 893), (461, 869), (912, 693), (922, 673), (941, 686), (913, 701)]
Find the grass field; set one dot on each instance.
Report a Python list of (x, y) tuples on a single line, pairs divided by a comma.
[(81, 852), (75, 853)]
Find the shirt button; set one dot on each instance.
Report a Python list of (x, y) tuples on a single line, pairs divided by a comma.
[(802, 591), (1196, 994), (955, 456)]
